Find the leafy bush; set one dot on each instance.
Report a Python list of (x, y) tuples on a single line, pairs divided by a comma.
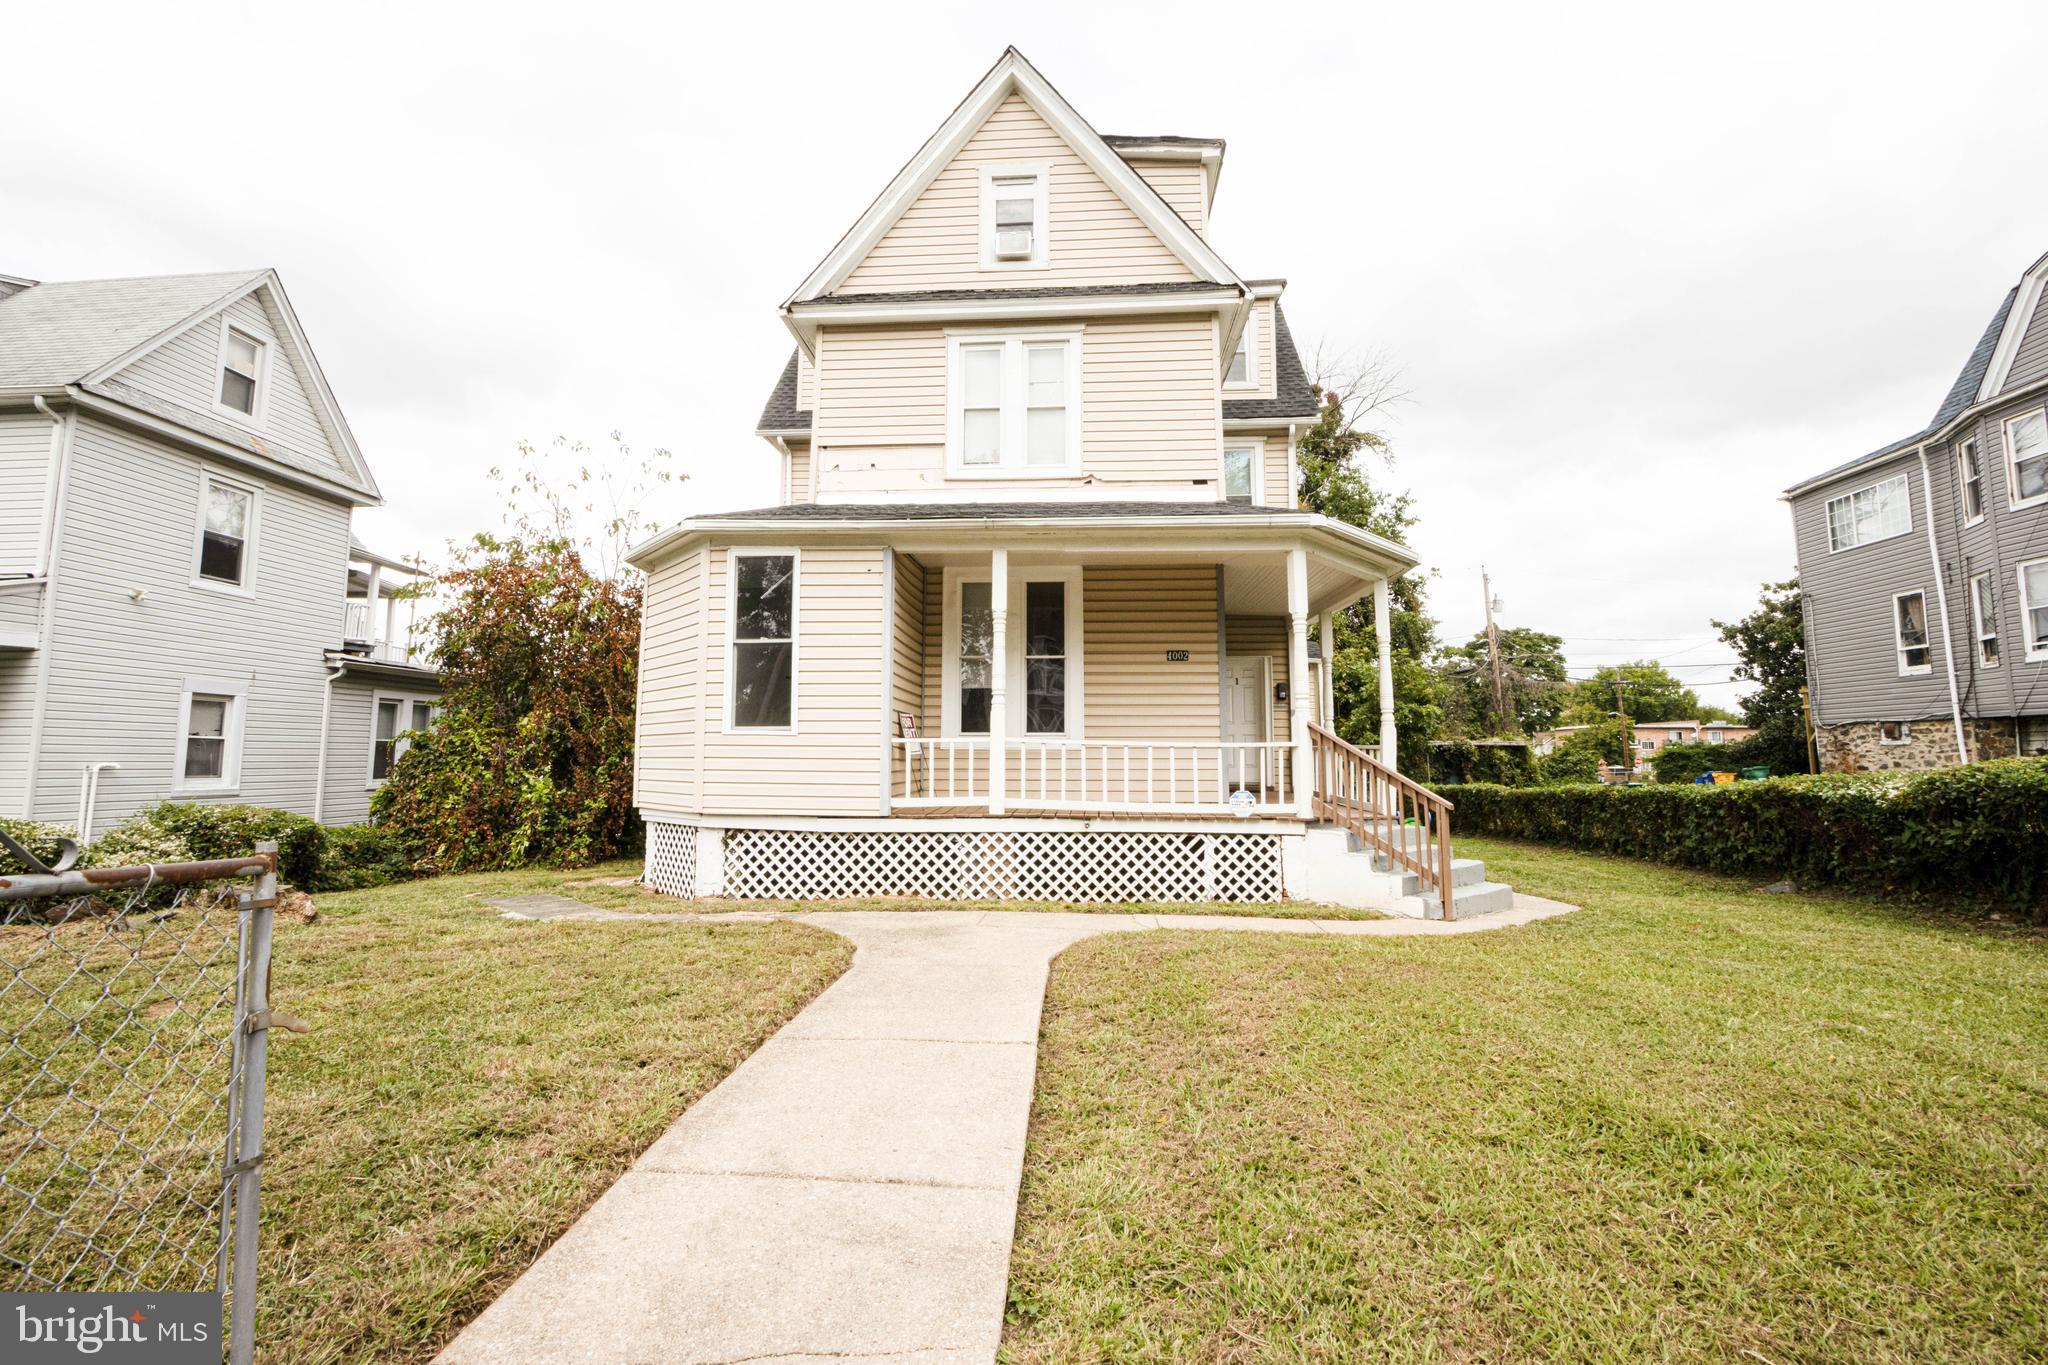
[(361, 856), (208, 832), (1453, 761), (38, 837), (1976, 834), (1568, 764)]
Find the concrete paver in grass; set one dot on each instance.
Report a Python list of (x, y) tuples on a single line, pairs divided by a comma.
[(850, 1190)]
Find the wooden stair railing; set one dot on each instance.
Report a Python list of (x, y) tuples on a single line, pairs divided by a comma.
[(1391, 815)]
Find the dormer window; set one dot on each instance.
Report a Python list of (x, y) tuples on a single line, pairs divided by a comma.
[(241, 371), (1013, 215), (1243, 370)]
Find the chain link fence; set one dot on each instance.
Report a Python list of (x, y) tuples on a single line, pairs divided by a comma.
[(134, 1006)]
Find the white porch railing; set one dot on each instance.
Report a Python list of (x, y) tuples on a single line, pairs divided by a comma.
[(1195, 777), (360, 626)]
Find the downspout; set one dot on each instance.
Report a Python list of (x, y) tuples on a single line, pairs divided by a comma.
[(335, 671), (1948, 653), (53, 532), (89, 796)]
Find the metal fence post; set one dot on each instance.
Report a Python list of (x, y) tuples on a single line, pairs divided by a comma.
[(254, 1038)]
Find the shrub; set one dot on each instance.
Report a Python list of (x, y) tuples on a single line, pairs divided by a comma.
[(310, 857), (1976, 834), (1568, 764), (41, 839), (209, 832), (1461, 760), (361, 856)]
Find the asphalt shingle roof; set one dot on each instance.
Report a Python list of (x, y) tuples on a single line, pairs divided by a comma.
[(781, 412), (1295, 396), (56, 334), (1960, 395), (996, 511)]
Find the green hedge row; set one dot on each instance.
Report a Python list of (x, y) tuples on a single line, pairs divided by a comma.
[(1976, 834), (310, 856)]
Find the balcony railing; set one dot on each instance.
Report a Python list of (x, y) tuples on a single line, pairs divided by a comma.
[(363, 633), (1196, 777)]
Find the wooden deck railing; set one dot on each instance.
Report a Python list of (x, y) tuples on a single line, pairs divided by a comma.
[(1392, 815)]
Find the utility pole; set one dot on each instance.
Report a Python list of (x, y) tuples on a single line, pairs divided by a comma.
[(1628, 739), (1500, 690)]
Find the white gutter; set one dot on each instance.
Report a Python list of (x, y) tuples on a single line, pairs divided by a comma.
[(1948, 653), (335, 671), (1905, 448)]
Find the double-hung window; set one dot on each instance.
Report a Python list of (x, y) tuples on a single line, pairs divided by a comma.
[(1242, 372), (1015, 405), (397, 720), (241, 372), (1013, 204), (209, 735), (1970, 474), (2026, 457), (227, 526), (1909, 620), (1240, 473), (1984, 617), (1878, 512), (762, 671), (2033, 577)]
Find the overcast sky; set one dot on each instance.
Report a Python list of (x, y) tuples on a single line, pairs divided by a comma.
[(1640, 266)]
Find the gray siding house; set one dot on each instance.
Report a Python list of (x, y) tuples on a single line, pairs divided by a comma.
[(183, 612), (1924, 569)]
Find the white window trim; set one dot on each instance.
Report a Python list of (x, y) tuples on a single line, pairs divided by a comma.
[(2035, 650), (1963, 483), (229, 783), (406, 701), (208, 477), (1013, 650), (1899, 636), (1014, 419), (2013, 500), (264, 347), (1041, 225), (732, 590), (1828, 520), (1257, 446), (1250, 336), (1977, 621), (1905, 732)]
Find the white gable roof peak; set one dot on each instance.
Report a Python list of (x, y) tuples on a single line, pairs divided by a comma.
[(2017, 320), (1013, 75)]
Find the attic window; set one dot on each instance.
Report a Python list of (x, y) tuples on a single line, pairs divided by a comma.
[(1013, 216), (241, 370), (1243, 370)]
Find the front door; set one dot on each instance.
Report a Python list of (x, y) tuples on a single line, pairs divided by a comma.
[(1249, 713)]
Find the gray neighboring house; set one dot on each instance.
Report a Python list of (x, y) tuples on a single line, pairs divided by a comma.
[(183, 611), (1924, 568)]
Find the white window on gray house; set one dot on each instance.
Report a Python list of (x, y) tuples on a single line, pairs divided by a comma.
[(2026, 457), (225, 523), (1970, 473), (1878, 512), (206, 738), (1045, 658), (763, 641), (241, 367), (2034, 736), (397, 720), (977, 638), (1984, 617), (1909, 619), (1016, 216), (1895, 732), (2033, 579), (1239, 463)]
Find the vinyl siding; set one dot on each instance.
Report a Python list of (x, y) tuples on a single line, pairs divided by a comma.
[(2030, 360), (118, 666), (17, 712), (1183, 186), (185, 371), (801, 488), (665, 775), (1279, 489), (24, 489), (1265, 370), (1149, 413), (1134, 614), (1093, 235), (351, 721), (907, 657), (1849, 608), (828, 766), (1997, 545)]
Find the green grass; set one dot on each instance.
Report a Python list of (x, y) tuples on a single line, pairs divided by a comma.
[(472, 1083), (1691, 1122)]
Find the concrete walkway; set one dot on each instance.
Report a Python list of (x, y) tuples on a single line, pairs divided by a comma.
[(849, 1192)]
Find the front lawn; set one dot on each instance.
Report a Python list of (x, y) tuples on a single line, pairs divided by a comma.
[(1693, 1121), (472, 1083)]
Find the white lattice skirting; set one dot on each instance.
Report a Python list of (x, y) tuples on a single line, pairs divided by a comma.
[(1092, 866)]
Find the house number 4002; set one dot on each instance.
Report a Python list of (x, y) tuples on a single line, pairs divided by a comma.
[(1176, 656)]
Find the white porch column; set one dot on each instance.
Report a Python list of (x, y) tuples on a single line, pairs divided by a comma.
[(1329, 673), (999, 676), (1297, 682), (1382, 628), (370, 603)]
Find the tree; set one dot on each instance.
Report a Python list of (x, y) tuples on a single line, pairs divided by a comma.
[(1649, 692), (1532, 663), (1579, 757), (1333, 483), (531, 758), (1771, 643)]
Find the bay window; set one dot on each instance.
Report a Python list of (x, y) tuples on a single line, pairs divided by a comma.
[(1014, 407)]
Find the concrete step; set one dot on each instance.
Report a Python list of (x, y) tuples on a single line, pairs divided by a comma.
[(1479, 898), (1464, 872)]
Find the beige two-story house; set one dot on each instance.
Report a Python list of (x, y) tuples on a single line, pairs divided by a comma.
[(1037, 614)]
